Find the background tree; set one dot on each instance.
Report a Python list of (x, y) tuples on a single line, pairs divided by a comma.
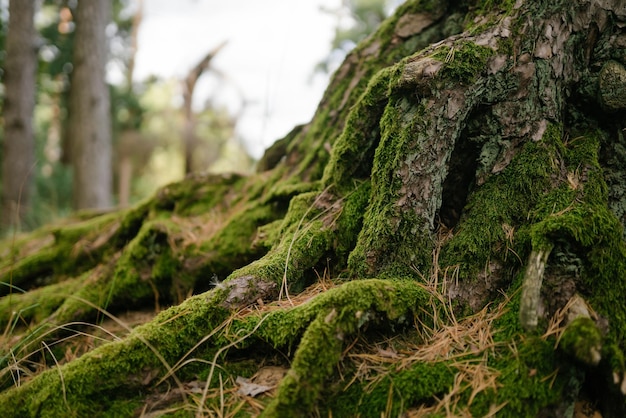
[(89, 108), (18, 156), (189, 84), (444, 237), (129, 135), (140, 147)]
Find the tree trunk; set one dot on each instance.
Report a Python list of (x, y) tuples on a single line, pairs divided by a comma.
[(19, 103), (89, 123), (189, 85), (444, 238), (134, 43)]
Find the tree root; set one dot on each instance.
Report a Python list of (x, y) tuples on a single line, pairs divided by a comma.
[(319, 328)]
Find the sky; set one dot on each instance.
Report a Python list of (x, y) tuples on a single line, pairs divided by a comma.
[(268, 61)]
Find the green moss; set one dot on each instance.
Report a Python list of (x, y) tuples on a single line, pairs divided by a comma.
[(551, 192), (606, 265), (528, 381), (113, 371), (37, 304), (278, 150), (131, 222), (17, 274), (496, 208), (506, 46), (582, 341), (330, 319), (524, 194), (197, 193), (587, 221), (152, 268), (68, 249), (65, 250), (232, 246), (393, 240), (484, 14), (353, 151), (284, 190), (378, 52), (146, 266), (89, 381), (394, 393), (305, 239), (350, 221), (463, 62), (525, 382), (486, 6), (336, 197)]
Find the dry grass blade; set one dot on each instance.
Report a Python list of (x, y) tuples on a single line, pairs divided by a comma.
[(329, 215), (40, 336), (58, 367), (219, 353), (556, 325), (471, 336), (464, 344), (13, 366), (184, 359), (145, 342)]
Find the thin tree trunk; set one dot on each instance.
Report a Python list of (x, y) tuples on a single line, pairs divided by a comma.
[(90, 120), (19, 141), (189, 84), (125, 164), (125, 174), (134, 43)]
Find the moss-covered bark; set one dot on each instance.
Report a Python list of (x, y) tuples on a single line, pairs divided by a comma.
[(445, 237)]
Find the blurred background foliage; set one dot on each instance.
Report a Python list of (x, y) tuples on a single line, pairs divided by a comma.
[(355, 20), (148, 120)]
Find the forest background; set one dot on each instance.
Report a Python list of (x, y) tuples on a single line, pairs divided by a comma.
[(239, 107)]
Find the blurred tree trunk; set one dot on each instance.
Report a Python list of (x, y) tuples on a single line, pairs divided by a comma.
[(189, 85), (89, 122), (134, 42), (125, 162), (19, 103)]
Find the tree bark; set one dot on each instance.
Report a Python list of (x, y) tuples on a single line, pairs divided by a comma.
[(19, 103), (89, 124), (445, 237)]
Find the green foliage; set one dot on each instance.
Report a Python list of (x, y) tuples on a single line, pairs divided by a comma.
[(126, 108), (133, 109)]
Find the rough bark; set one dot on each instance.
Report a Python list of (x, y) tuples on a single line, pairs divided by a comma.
[(445, 237), (89, 124), (19, 103)]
